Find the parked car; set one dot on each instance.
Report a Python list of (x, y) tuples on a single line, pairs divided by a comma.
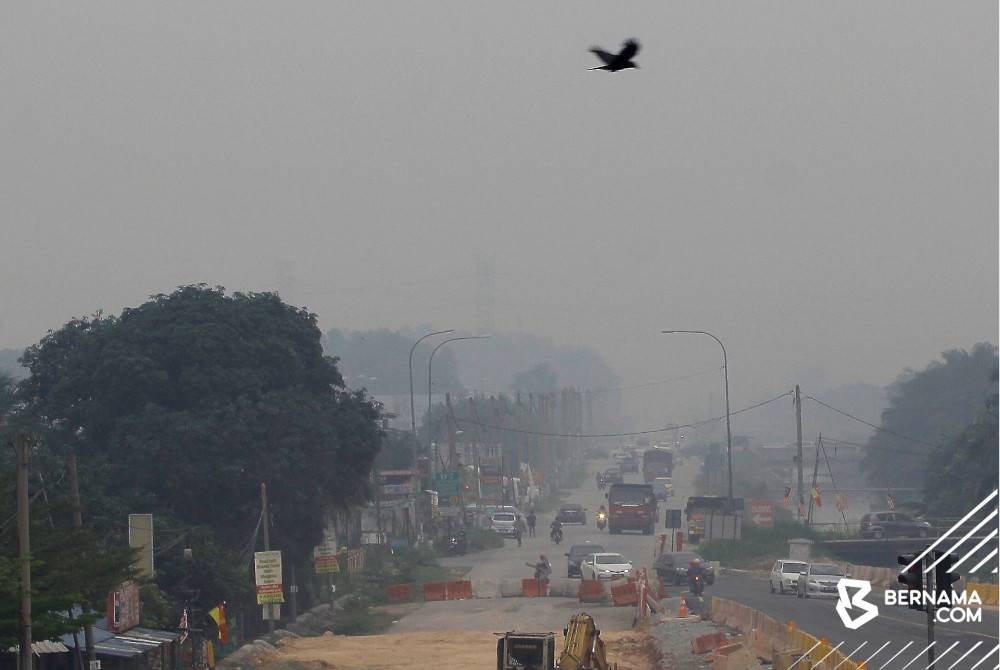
[(672, 567), (504, 523), (819, 580), (613, 475), (604, 565), (893, 524), (572, 513), (785, 575), (577, 553)]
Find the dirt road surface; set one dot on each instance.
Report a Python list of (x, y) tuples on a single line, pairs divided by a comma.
[(441, 650)]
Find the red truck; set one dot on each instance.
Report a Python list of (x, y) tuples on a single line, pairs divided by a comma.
[(631, 507)]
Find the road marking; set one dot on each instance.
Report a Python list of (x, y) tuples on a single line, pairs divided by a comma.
[(896, 654), (962, 657)]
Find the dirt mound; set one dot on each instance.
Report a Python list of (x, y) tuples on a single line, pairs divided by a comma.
[(445, 650)]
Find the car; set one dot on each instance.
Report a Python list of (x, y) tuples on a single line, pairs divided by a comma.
[(819, 580), (572, 513), (613, 475), (785, 575), (577, 553), (605, 565), (504, 523), (672, 567), (892, 524)]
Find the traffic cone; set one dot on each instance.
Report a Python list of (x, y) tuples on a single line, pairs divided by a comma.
[(682, 613)]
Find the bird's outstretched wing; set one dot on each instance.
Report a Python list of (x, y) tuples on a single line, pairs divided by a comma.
[(603, 55), (629, 49)]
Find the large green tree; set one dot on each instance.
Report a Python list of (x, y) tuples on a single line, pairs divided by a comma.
[(928, 409), (184, 405), (966, 467)]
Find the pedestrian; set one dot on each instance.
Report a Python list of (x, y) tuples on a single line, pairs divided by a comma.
[(531, 523), (519, 529)]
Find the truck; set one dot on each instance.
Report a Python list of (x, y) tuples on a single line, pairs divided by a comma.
[(657, 462), (631, 507), (714, 518)]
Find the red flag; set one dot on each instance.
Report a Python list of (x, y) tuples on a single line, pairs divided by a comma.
[(183, 625), (218, 614), (816, 496)]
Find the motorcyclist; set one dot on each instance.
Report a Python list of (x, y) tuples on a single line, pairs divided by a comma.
[(695, 571), (600, 480), (556, 527)]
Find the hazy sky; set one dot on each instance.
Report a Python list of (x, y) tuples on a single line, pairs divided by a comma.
[(815, 182)]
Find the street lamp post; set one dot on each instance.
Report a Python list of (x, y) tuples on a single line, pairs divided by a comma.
[(729, 432), (430, 363), (413, 412)]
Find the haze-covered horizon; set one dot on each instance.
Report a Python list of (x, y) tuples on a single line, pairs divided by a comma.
[(815, 184)]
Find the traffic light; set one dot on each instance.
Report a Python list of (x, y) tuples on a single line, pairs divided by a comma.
[(942, 578), (912, 578)]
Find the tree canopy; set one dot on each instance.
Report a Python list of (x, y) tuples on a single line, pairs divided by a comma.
[(927, 410), (184, 405)]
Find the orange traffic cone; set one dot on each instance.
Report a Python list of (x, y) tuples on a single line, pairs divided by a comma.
[(682, 613)]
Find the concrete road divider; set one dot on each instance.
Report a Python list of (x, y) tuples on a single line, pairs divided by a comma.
[(458, 590), (564, 588), (486, 588), (591, 591), (624, 595), (511, 588), (534, 588)]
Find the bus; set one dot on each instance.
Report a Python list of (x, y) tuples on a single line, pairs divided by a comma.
[(657, 462)]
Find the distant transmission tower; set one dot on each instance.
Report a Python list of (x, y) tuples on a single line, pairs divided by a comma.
[(484, 295)]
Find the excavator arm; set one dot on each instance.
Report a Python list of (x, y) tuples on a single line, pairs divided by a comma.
[(583, 648)]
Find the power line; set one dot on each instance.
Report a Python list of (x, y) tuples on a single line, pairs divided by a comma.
[(871, 425), (629, 434)]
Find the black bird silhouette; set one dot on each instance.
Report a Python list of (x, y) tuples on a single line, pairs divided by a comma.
[(621, 61)]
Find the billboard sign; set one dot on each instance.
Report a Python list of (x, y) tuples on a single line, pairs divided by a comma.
[(762, 513), (124, 609)]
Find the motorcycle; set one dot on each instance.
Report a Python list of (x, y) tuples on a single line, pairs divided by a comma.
[(601, 483), (696, 585), (557, 535), (602, 520), (455, 546)]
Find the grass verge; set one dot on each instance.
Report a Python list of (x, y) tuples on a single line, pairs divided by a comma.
[(757, 545)]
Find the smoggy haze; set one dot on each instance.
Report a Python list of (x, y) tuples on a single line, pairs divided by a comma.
[(816, 183)]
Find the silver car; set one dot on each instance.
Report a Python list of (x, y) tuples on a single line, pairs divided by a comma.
[(785, 575), (504, 523), (819, 580), (605, 565)]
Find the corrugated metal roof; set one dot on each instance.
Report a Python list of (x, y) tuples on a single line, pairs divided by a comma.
[(43, 647), (153, 634)]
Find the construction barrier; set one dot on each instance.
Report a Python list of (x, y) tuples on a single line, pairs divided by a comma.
[(460, 590), (591, 591), (534, 588), (777, 641), (624, 595), (435, 591), (988, 593), (399, 593)]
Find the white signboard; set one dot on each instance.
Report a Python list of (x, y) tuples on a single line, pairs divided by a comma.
[(267, 576)]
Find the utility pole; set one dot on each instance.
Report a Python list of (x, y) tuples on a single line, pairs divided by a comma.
[(74, 491), (24, 548), (267, 547), (819, 442), (798, 450)]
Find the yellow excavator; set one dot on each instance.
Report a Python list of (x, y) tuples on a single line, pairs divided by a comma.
[(583, 649)]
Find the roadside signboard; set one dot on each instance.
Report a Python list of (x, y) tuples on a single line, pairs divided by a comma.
[(267, 576), (673, 518), (446, 484), (325, 557), (762, 513), (123, 610)]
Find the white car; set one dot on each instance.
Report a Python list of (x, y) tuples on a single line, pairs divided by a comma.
[(819, 580), (785, 575), (504, 523), (604, 566)]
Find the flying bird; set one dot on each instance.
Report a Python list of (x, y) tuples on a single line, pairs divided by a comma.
[(620, 61)]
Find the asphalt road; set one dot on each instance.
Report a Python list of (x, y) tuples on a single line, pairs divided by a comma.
[(509, 562), (896, 626)]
